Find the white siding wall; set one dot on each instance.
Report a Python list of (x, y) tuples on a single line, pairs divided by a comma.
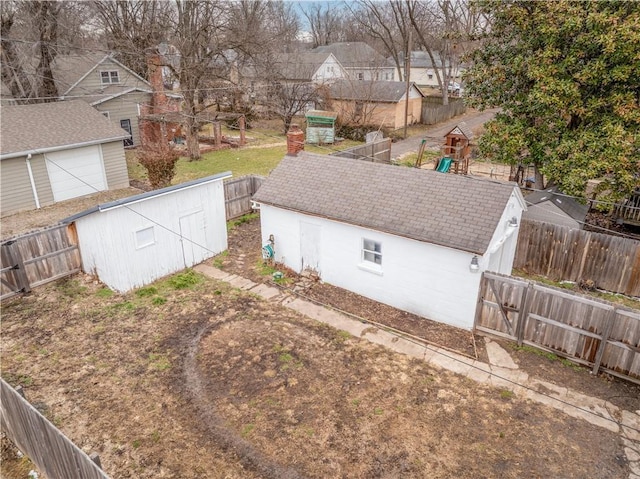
[(108, 239), (425, 279)]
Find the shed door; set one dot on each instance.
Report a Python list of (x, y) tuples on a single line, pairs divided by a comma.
[(193, 238), (75, 172), (310, 237)]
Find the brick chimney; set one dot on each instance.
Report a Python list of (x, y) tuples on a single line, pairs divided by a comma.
[(295, 140)]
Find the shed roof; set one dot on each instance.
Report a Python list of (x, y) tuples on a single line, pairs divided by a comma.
[(370, 90), (50, 126), (461, 128), (146, 195), (449, 210), (570, 206), (298, 65)]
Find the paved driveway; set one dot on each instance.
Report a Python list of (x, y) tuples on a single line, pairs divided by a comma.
[(435, 133)]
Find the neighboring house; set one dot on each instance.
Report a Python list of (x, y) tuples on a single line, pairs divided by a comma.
[(414, 239), (52, 152), (360, 61), (134, 241), (107, 85), (551, 206), (375, 102), (423, 72), (298, 67)]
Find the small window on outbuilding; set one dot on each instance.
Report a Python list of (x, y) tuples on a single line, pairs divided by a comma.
[(372, 251), (145, 237)]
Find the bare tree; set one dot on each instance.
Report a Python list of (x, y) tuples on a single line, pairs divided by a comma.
[(37, 21), (132, 26), (444, 29), (388, 23), (199, 34), (326, 23), (286, 100)]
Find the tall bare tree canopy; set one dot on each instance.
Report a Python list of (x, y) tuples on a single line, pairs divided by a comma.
[(29, 26)]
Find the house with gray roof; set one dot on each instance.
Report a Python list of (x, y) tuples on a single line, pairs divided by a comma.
[(423, 70), (379, 103), (414, 239), (552, 206), (360, 61), (106, 84), (52, 152)]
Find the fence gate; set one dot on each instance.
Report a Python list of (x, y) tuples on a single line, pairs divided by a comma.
[(37, 258), (588, 331)]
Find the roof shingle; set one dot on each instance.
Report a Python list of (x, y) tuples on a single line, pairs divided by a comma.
[(448, 210), (25, 128)]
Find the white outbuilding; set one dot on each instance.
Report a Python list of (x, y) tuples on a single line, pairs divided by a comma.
[(134, 241), (414, 239)]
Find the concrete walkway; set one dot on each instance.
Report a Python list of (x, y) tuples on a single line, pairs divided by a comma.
[(501, 372)]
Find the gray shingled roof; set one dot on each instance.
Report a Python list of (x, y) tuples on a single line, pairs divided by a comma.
[(355, 55), (449, 210), (298, 65), (25, 128), (370, 90), (570, 206)]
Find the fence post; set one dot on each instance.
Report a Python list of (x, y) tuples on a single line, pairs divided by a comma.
[(603, 341), (16, 260), (95, 457), (523, 313)]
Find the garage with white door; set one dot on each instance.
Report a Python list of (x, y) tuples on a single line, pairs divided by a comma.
[(76, 172)]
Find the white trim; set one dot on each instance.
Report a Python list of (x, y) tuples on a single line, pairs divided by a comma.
[(148, 243), (102, 210), (61, 147), (33, 181), (116, 95)]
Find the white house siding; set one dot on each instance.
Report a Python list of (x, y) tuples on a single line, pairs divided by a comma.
[(431, 281), (108, 239), (115, 165), (328, 71), (502, 248), (125, 107)]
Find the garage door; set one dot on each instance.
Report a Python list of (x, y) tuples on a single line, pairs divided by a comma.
[(76, 172)]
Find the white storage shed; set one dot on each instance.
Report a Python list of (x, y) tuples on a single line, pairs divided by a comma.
[(134, 241), (414, 239)]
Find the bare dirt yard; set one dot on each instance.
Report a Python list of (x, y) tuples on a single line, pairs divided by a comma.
[(190, 378)]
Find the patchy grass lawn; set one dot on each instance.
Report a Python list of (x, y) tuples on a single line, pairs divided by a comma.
[(190, 378), (240, 161)]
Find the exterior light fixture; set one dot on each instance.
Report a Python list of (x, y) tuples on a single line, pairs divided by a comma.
[(513, 222), (474, 266)]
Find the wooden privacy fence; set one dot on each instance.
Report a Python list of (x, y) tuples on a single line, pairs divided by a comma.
[(376, 152), (37, 258), (433, 111), (50, 450), (596, 333), (561, 253), (238, 193)]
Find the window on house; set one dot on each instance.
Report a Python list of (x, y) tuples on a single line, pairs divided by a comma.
[(430, 76), (109, 77), (372, 251), (145, 237), (360, 76)]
